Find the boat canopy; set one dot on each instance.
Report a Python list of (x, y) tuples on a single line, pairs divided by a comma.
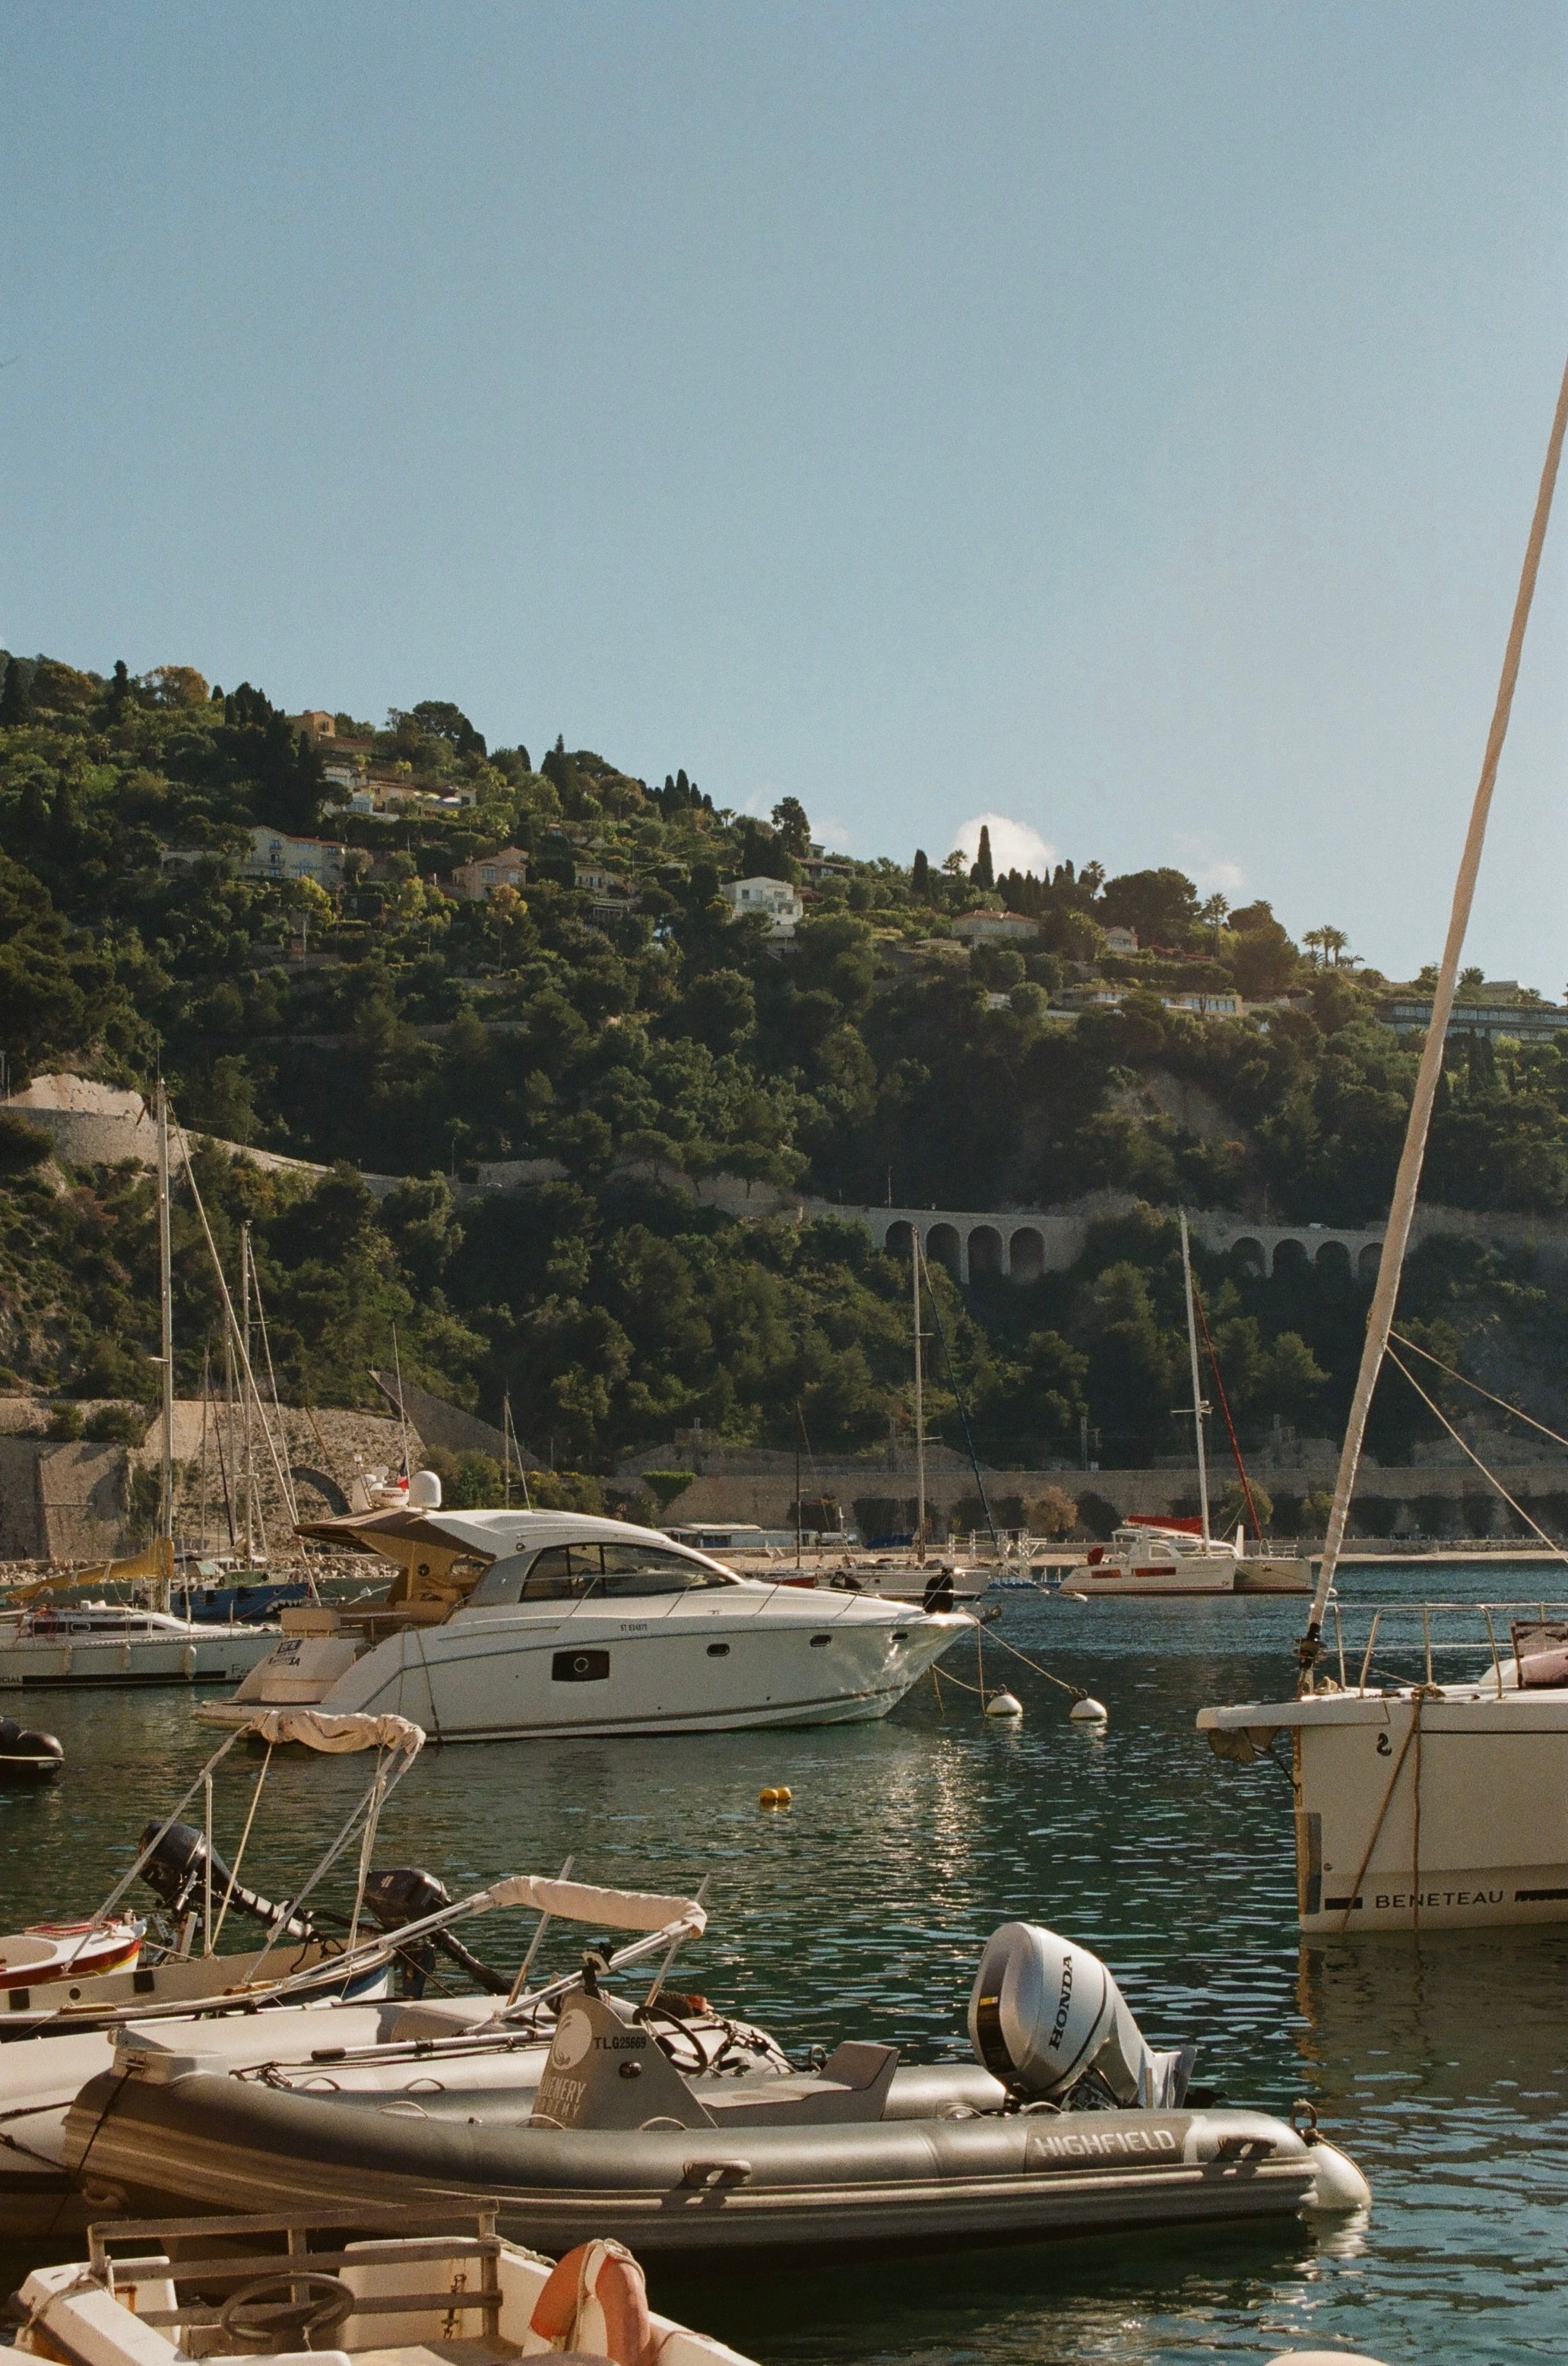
[(485, 1535), (336, 1730), (582, 1901)]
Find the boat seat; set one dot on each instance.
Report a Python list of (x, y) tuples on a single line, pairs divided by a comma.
[(852, 2085)]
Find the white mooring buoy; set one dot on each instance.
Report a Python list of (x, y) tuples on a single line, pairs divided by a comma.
[(1004, 1705), (1089, 1712)]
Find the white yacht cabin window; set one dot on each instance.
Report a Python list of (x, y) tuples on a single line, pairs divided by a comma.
[(572, 1573)]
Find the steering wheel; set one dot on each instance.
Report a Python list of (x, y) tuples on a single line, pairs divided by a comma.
[(294, 2304)]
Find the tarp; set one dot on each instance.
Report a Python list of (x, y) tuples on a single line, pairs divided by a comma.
[(336, 1730), (579, 1901)]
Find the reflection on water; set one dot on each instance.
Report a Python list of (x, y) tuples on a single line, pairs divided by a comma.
[(1440, 2063)]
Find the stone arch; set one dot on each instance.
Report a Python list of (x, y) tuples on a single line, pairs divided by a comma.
[(1368, 1262), (1250, 1253), (942, 1243), (985, 1253), (1026, 1255), (332, 1494), (1290, 1257), (896, 1239), (1333, 1258)]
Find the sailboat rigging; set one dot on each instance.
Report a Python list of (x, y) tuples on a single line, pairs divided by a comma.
[(1465, 1828)]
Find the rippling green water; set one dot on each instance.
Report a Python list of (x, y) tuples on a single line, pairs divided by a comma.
[(1442, 2064)]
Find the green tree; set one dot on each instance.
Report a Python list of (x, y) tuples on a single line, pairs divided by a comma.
[(15, 707), (983, 874), (794, 830)]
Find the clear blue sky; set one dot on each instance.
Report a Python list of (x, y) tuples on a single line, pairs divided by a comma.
[(1122, 418)]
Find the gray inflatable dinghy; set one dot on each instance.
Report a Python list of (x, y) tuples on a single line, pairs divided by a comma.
[(856, 2154)]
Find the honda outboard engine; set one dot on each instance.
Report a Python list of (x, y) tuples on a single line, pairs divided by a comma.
[(176, 1870), (1045, 2015), (403, 1895)]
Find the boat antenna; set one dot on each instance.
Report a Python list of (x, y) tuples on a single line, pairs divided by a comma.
[(963, 1409), (1199, 1405), (1379, 1322), (919, 1402)]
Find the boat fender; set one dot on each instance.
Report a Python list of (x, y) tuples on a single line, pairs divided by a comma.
[(1337, 2185), (596, 2302)]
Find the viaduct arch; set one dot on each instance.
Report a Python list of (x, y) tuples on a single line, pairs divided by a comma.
[(1020, 1244)]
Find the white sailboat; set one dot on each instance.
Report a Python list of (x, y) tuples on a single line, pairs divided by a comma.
[(44, 1641), (1422, 1803), (1149, 1555)]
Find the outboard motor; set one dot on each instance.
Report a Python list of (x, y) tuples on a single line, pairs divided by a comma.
[(404, 1895), (176, 1870), (1045, 2015)]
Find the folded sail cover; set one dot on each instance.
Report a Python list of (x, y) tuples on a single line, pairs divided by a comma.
[(579, 1901), (336, 1729)]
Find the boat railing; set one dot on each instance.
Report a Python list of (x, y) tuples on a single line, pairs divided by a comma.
[(1406, 1643)]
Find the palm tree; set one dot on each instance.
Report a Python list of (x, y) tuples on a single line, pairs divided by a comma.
[(1317, 950), (1333, 941), (1213, 915)]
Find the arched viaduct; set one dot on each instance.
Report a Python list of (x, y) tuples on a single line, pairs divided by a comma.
[(1020, 1244)]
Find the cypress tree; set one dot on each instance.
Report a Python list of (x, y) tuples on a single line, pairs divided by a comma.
[(14, 703), (920, 876), (62, 830), (983, 874)]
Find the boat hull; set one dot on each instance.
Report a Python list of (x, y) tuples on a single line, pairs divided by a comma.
[(231, 2144), (1445, 1810), (1152, 1578), (212, 1657), (801, 1658)]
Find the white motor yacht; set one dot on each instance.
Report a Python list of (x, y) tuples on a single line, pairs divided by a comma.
[(502, 1624)]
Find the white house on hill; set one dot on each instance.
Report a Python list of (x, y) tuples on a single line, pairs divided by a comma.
[(773, 900)]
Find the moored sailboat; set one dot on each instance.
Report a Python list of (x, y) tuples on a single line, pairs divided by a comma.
[(1420, 1803)]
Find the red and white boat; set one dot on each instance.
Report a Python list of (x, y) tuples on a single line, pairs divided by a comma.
[(69, 1951), (1149, 1555)]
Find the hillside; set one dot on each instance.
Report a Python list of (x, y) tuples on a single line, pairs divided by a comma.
[(608, 1010)]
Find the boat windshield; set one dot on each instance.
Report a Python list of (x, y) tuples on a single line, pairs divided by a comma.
[(615, 1572)]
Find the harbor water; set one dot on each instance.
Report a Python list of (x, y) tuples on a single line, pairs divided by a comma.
[(1440, 2063)]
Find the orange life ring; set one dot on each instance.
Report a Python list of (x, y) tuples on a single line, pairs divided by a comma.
[(596, 2300)]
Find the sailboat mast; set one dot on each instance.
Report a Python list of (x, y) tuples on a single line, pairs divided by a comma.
[(166, 1310), (1198, 1407), (247, 1466), (1395, 1240), (919, 1401)]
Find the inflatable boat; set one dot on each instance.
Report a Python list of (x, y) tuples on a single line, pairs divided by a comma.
[(1067, 2122)]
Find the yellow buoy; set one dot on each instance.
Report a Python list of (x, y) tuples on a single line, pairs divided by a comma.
[(776, 1796)]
